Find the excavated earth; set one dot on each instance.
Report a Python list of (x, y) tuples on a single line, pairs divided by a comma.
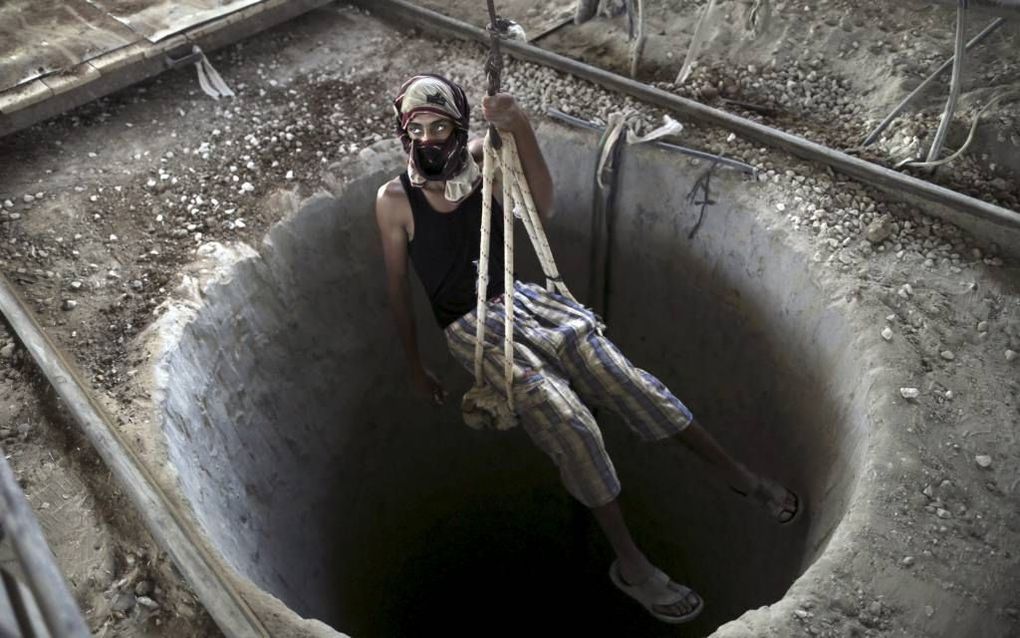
[(215, 270)]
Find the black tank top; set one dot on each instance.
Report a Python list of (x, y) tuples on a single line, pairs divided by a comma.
[(444, 252)]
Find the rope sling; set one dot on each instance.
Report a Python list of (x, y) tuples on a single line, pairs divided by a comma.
[(482, 406)]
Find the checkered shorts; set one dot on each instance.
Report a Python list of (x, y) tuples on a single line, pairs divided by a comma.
[(562, 363)]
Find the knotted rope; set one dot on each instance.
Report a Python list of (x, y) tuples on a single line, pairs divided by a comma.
[(482, 406)]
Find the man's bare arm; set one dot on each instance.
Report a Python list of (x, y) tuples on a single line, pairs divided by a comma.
[(393, 232), (394, 245)]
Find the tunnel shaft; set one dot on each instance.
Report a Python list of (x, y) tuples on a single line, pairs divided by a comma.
[(320, 478)]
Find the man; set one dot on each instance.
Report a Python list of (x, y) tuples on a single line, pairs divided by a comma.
[(431, 214)]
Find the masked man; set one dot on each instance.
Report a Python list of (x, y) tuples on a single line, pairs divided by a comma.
[(431, 213)]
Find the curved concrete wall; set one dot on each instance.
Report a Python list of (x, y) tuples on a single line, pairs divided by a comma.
[(316, 475)]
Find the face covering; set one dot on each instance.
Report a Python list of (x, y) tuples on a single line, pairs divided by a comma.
[(448, 161), (436, 159), (432, 160)]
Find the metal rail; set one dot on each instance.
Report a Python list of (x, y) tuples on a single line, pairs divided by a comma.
[(867, 172), (164, 520)]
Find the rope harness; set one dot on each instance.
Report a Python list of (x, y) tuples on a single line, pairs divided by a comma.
[(482, 406)]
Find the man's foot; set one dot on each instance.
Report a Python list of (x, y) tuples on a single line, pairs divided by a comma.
[(665, 599), (780, 502)]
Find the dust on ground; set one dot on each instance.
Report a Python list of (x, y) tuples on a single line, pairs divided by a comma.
[(827, 70), (109, 201)]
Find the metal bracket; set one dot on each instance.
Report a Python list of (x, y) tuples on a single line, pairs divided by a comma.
[(191, 57)]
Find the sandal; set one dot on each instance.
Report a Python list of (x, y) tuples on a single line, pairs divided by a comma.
[(783, 514), (657, 590)]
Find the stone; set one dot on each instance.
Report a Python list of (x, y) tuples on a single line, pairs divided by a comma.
[(1010, 355), (879, 230), (983, 460), (887, 333), (907, 561), (947, 355), (124, 603), (7, 351), (69, 304), (910, 394)]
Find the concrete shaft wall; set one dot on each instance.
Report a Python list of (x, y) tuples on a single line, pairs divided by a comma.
[(321, 479)]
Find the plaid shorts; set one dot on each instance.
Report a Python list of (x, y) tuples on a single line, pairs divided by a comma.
[(561, 363)]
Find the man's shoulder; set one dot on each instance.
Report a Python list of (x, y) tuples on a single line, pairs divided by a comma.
[(391, 195), (391, 190), (391, 203)]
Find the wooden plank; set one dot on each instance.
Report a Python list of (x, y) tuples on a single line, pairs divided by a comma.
[(23, 95), (41, 38)]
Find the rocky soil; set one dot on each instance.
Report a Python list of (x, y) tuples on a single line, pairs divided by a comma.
[(104, 205)]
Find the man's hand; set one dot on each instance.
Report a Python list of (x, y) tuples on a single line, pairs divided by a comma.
[(506, 115), (502, 111), (428, 386)]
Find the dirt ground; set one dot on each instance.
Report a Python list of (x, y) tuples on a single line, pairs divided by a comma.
[(103, 206)]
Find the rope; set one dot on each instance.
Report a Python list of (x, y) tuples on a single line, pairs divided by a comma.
[(482, 407), (758, 17), (637, 46), (696, 41)]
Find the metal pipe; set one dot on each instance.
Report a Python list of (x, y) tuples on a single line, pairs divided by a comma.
[(167, 524), (560, 116), (637, 47), (954, 85), (872, 136), (59, 612), (867, 172)]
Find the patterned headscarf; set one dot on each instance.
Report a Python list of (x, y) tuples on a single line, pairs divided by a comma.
[(428, 93)]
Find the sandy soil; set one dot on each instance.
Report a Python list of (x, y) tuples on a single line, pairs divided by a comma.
[(108, 202)]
